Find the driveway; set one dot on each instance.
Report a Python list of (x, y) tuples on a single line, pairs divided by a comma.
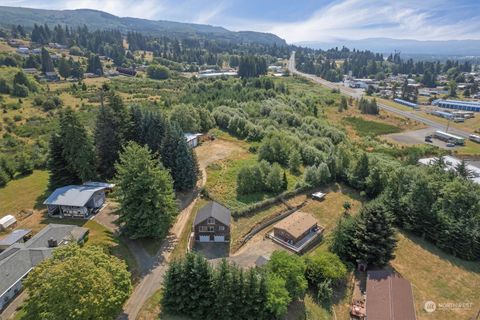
[(152, 268)]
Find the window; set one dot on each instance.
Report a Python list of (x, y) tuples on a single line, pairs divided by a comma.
[(211, 228), (211, 221), (203, 229), (221, 228)]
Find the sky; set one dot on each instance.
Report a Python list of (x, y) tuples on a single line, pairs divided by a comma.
[(302, 20)]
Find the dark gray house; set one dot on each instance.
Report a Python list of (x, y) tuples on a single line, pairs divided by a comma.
[(212, 223), (20, 258)]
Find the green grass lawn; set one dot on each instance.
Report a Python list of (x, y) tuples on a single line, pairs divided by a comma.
[(370, 128), (23, 193), (222, 182)]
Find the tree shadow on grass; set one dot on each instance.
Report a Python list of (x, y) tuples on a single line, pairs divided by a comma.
[(471, 266)]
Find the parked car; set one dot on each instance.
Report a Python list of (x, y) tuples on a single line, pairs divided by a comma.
[(428, 139), (450, 144)]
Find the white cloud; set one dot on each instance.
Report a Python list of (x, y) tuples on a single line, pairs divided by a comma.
[(359, 19), (147, 9)]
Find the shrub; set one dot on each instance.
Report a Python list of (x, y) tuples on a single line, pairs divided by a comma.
[(158, 72), (20, 90)]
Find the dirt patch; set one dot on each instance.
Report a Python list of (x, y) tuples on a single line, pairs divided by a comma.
[(219, 149)]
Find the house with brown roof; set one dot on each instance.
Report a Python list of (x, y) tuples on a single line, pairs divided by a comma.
[(389, 297), (295, 227)]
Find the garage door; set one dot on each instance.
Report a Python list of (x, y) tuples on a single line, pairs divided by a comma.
[(219, 238), (204, 238)]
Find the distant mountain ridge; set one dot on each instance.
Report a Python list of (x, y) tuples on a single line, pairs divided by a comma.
[(101, 20), (388, 45)]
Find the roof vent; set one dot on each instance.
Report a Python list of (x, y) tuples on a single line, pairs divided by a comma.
[(52, 243)]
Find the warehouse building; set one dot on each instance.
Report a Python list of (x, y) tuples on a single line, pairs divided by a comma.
[(458, 105), (451, 164)]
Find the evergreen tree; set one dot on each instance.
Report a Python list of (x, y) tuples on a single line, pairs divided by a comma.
[(71, 157), (179, 158), (144, 192), (360, 172), (110, 134), (374, 235), (47, 64), (64, 68), (60, 172), (77, 147)]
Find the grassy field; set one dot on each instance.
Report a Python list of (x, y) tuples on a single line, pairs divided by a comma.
[(370, 128), (438, 277), (23, 193), (222, 181)]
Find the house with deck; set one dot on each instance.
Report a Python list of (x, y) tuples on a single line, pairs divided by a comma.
[(76, 201), (212, 223), (297, 232)]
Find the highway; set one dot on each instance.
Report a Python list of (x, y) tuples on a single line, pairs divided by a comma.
[(357, 95)]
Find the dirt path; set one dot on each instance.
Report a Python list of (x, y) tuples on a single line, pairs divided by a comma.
[(153, 268)]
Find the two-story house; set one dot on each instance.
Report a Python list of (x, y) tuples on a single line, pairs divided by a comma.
[(212, 223)]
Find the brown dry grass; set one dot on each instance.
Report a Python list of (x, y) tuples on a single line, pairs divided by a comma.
[(438, 277)]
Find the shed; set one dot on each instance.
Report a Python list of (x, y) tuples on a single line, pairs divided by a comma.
[(192, 139), (7, 222), (318, 195)]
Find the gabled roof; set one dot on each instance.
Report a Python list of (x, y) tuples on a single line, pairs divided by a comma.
[(213, 210), (297, 223), (75, 196), (18, 264), (18, 259), (389, 297)]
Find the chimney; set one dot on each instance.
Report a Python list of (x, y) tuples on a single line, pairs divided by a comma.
[(52, 243)]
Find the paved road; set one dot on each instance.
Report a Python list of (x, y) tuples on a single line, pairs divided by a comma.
[(357, 95)]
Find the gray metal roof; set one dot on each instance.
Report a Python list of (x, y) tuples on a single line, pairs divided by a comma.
[(13, 237), (214, 210), (75, 196)]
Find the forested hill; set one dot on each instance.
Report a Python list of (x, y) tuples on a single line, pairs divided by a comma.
[(101, 20)]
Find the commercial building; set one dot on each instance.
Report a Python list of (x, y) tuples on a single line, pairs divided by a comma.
[(406, 103), (451, 164), (458, 105)]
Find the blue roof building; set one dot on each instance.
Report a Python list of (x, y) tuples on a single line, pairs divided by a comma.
[(458, 105)]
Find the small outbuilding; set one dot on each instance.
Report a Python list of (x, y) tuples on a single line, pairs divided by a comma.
[(7, 221), (318, 196), (76, 201), (192, 139), (212, 223)]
